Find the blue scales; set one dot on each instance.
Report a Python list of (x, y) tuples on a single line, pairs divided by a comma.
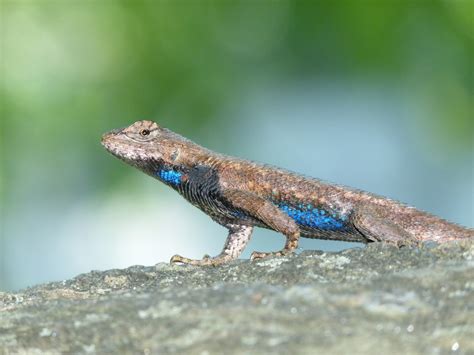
[(307, 215), (170, 176)]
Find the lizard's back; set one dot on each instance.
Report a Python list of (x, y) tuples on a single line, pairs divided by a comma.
[(306, 198)]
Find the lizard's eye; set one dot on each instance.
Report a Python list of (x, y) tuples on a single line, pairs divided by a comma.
[(144, 132)]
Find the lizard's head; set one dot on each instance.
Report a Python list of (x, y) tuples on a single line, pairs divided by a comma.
[(144, 145)]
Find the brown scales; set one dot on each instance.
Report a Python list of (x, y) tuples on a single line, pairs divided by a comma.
[(248, 194)]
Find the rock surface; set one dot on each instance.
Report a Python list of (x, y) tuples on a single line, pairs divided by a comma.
[(378, 300)]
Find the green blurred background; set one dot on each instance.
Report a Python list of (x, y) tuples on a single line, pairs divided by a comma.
[(376, 95)]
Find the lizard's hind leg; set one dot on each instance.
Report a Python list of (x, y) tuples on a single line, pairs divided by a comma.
[(236, 241), (372, 225), (269, 214)]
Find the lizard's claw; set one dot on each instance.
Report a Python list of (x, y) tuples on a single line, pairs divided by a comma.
[(256, 255), (180, 259)]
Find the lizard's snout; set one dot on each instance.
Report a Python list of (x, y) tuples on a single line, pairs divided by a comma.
[(106, 137)]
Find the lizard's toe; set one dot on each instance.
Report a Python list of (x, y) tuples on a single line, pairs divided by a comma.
[(206, 261), (256, 255), (179, 259)]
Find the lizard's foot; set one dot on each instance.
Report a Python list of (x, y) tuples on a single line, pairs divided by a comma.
[(290, 247), (256, 255), (206, 261)]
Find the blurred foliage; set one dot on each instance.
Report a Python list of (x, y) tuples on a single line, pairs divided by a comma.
[(71, 70)]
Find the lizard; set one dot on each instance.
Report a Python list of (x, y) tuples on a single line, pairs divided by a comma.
[(242, 194)]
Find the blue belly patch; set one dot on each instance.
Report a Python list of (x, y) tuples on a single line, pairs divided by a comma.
[(170, 176), (307, 215)]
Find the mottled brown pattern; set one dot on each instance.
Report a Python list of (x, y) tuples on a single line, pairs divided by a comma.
[(240, 194)]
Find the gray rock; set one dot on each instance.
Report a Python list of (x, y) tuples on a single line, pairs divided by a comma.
[(373, 300)]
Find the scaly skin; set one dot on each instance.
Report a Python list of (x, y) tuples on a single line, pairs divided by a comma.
[(240, 194)]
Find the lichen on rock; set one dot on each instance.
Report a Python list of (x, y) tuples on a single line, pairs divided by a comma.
[(377, 299)]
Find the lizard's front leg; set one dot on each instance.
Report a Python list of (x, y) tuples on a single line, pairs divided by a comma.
[(237, 239)]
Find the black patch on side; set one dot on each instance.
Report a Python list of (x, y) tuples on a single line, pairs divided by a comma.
[(202, 189), (203, 180), (150, 166)]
